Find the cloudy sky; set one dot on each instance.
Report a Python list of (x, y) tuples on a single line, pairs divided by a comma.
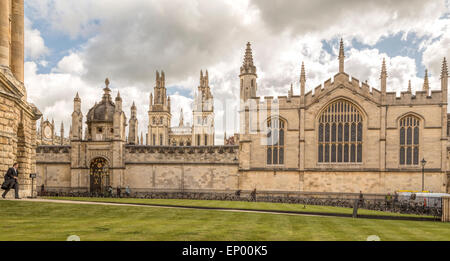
[(73, 45)]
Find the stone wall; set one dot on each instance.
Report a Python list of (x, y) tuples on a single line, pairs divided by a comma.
[(147, 168), (17, 137), (340, 181), (53, 166), (181, 168), (215, 168)]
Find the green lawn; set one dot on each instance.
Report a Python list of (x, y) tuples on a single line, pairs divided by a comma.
[(23, 220), (239, 205)]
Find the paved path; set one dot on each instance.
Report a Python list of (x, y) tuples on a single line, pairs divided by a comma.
[(165, 206)]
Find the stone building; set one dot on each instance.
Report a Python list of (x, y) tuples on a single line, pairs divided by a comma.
[(343, 136), (47, 134), (17, 116), (103, 155)]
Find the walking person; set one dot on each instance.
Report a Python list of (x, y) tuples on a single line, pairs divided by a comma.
[(11, 181), (253, 195), (361, 198), (127, 191), (119, 192)]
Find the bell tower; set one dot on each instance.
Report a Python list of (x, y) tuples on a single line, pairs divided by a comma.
[(159, 115), (203, 114), (248, 76)]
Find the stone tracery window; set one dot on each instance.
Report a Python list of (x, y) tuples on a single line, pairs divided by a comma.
[(275, 141), (409, 140), (340, 133)]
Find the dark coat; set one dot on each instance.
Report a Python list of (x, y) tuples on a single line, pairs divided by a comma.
[(10, 182), (11, 173)]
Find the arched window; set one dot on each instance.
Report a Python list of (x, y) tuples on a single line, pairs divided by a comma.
[(340, 133), (409, 140), (275, 141)]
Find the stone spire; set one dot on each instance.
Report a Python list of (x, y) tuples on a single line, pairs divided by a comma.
[(151, 100), (133, 126), (77, 119), (158, 79), (341, 56), (383, 77), (181, 124), (77, 103), (426, 85), (302, 80), (291, 91), (444, 70), (53, 132), (247, 66), (444, 80), (142, 139), (118, 102), (409, 86), (62, 133)]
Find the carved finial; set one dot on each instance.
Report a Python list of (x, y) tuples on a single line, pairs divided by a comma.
[(107, 82), (444, 71), (133, 106), (426, 85), (302, 80), (247, 66), (383, 77), (341, 56), (118, 98), (248, 60), (383, 68), (181, 118), (302, 72), (409, 86), (77, 97)]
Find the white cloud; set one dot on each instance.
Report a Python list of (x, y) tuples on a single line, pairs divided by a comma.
[(71, 64), (434, 53), (34, 43), (130, 40)]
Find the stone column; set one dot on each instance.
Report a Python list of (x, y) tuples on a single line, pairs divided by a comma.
[(17, 39), (446, 209), (4, 33)]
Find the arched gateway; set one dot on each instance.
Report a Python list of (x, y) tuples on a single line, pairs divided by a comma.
[(99, 175)]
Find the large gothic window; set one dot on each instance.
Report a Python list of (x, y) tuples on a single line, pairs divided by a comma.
[(275, 141), (340, 133), (409, 140)]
